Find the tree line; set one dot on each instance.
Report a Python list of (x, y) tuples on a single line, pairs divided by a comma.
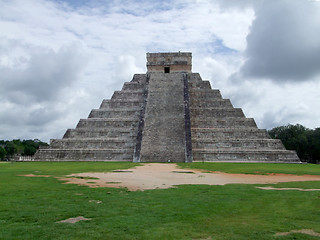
[(306, 142), (10, 149)]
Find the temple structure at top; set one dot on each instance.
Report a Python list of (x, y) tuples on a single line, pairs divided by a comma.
[(168, 114), (169, 62)]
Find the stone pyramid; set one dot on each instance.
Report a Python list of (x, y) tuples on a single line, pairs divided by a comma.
[(168, 114)]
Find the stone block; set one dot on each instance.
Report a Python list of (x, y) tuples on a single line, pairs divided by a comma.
[(205, 93), (206, 113), (132, 112), (239, 122), (269, 156), (227, 133), (212, 103), (121, 103)]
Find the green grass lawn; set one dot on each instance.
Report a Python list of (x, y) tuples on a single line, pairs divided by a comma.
[(30, 207)]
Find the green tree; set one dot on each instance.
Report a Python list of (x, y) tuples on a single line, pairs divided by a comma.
[(29, 150), (16, 146), (3, 153), (10, 148), (304, 141), (314, 145)]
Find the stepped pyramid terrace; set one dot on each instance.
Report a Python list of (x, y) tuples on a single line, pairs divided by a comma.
[(168, 114)]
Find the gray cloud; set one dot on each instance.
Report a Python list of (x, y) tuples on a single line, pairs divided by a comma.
[(284, 41), (39, 74), (37, 86), (268, 119)]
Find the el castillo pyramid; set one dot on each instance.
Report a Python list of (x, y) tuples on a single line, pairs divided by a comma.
[(168, 114)]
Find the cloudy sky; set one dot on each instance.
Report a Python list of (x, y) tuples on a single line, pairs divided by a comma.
[(60, 58)]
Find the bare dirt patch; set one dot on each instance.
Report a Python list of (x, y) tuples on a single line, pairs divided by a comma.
[(75, 220), (303, 231), (95, 201), (32, 175), (162, 176), (286, 189)]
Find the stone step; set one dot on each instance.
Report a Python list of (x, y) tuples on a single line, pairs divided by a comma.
[(121, 103), (139, 78), (203, 113), (128, 94), (101, 133), (93, 143), (214, 103), (220, 155), (239, 122), (204, 93), (132, 86), (127, 123), (199, 85), (84, 155), (210, 100), (115, 113), (229, 133), (240, 144), (194, 77)]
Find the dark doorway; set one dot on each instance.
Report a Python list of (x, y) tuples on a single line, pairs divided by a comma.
[(166, 69)]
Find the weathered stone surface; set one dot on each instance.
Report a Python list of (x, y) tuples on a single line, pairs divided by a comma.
[(115, 113), (120, 103), (84, 154), (171, 62), (92, 143), (164, 133), (229, 133), (235, 155), (241, 122), (168, 114)]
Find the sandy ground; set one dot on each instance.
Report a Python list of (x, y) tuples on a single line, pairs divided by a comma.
[(161, 176)]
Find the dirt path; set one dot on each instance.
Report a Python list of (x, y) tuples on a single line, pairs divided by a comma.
[(310, 232), (159, 175)]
